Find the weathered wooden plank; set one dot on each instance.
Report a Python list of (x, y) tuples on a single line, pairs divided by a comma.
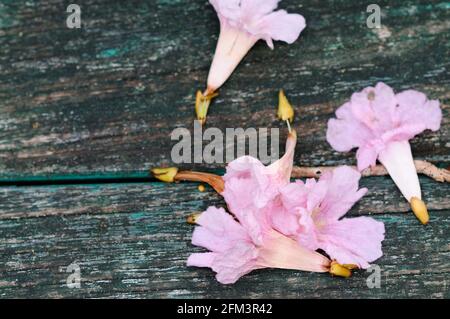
[(104, 99), (65, 200), (132, 241)]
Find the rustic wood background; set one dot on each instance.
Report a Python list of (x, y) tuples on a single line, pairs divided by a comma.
[(84, 113)]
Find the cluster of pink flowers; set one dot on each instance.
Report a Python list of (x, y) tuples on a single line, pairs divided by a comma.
[(276, 223)]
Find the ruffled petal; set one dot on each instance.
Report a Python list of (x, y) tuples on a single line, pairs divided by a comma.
[(280, 26), (259, 19), (307, 231), (366, 156), (415, 109), (345, 132), (294, 195), (342, 193), (229, 265), (353, 240), (250, 174), (257, 8), (235, 263), (283, 219), (218, 231)]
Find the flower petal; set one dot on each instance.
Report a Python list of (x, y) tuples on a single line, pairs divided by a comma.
[(353, 240), (342, 193), (259, 19), (280, 26), (281, 170), (235, 262), (201, 259), (218, 231)]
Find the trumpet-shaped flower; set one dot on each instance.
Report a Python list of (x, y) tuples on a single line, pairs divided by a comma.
[(280, 224), (309, 212), (250, 242), (380, 124), (236, 249), (242, 24)]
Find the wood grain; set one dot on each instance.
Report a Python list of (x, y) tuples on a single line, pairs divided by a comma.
[(132, 240), (102, 100), (97, 104)]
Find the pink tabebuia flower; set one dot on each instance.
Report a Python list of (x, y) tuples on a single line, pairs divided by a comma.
[(275, 218), (380, 124), (250, 242), (238, 247), (242, 24), (309, 212), (319, 210)]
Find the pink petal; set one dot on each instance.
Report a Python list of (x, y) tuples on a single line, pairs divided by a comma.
[(250, 174), (201, 259), (345, 132), (283, 219), (281, 170), (280, 26), (415, 108), (218, 231), (317, 193), (307, 232), (353, 240), (342, 193), (235, 262), (293, 195), (259, 19), (366, 156), (257, 8)]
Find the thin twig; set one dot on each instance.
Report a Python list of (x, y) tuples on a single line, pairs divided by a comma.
[(422, 167)]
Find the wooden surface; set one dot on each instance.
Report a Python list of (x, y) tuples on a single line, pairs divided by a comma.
[(84, 111)]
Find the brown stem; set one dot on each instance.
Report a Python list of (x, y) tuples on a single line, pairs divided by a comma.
[(422, 167), (215, 181)]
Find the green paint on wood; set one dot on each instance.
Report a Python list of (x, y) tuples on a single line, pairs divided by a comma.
[(109, 53)]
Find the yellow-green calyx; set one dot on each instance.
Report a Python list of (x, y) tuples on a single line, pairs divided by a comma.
[(192, 219), (420, 210), (202, 102), (339, 270), (165, 174), (285, 110)]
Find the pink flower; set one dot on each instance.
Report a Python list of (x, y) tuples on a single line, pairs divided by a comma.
[(242, 24), (380, 123), (238, 247), (250, 242), (261, 183), (280, 224), (308, 212), (319, 210)]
